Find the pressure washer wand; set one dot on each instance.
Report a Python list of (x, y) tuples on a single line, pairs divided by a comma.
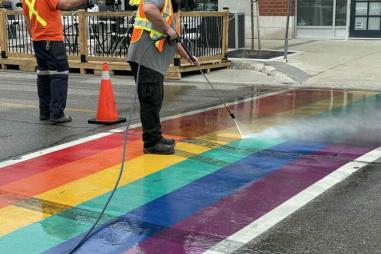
[(178, 40), (207, 80)]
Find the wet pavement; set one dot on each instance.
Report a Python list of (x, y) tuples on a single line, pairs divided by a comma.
[(21, 132), (284, 186), (344, 220)]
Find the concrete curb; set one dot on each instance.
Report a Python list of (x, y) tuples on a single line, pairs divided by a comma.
[(262, 67)]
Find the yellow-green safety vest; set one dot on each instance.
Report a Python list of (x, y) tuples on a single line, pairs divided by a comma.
[(142, 23)]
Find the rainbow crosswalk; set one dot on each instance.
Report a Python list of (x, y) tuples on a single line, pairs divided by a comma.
[(215, 184)]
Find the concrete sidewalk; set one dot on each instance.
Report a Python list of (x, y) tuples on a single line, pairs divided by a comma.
[(352, 64)]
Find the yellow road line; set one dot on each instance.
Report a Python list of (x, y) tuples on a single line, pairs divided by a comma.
[(31, 106)]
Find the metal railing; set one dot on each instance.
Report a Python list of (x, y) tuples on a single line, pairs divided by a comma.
[(71, 34), (205, 33), (109, 35), (104, 35), (18, 39)]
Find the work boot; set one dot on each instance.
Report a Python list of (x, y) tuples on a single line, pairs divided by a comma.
[(167, 141), (44, 118), (160, 148), (63, 119)]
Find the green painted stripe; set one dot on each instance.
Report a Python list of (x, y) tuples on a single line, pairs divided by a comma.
[(52, 231)]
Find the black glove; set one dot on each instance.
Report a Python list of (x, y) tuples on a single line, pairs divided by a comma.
[(88, 5)]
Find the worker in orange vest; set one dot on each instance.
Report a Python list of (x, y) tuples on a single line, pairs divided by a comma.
[(43, 19), (154, 18)]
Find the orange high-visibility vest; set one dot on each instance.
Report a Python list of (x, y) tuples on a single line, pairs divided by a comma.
[(45, 19), (142, 23)]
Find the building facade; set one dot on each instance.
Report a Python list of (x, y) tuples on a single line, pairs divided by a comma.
[(310, 19), (315, 19)]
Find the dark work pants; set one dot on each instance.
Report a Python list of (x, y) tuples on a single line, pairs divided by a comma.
[(150, 93), (52, 77)]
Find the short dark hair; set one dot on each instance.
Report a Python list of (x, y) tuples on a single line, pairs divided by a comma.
[(176, 4)]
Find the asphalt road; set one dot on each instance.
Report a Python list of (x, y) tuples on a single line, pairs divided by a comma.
[(21, 132), (346, 219)]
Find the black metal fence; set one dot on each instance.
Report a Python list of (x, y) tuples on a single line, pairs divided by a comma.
[(19, 41), (71, 34), (102, 35), (203, 35), (109, 36)]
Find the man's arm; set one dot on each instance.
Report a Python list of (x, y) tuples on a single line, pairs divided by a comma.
[(153, 14), (183, 53), (68, 5)]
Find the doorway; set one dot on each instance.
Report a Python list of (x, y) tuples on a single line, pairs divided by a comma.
[(365, 18)]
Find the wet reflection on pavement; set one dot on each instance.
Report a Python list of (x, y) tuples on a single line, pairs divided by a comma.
[(216, 184)]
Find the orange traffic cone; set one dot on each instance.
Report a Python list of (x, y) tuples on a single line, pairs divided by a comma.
[(107, 112)]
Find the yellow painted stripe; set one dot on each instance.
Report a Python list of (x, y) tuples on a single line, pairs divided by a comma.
[(94, 185), (97, 184), (10, 218)]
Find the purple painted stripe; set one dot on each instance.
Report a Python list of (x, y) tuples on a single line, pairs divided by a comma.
[(215, 223)]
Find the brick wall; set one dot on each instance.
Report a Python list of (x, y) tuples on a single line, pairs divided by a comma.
[(275, 7), (273, 16)]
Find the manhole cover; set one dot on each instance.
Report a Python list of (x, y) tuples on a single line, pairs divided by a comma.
[(263, 54)]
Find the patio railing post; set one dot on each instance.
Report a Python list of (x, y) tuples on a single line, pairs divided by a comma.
[(177, 60), (82, 25), (3, 34), (225, 35)]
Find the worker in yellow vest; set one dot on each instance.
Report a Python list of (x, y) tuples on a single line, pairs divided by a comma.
[(154, 18), (43, 19)]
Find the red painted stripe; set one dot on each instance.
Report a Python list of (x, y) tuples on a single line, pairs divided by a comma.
[(56, 159), (58, 176), (218, 119), (188, 126)]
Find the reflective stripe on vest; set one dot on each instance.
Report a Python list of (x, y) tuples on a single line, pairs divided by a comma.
[(32, 11), (142, 23)]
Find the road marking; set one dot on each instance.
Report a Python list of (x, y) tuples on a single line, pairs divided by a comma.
[(267, 221), (121, 129), (24, 106)]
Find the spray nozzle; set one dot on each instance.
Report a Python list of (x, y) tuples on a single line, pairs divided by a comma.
[(231, 114)]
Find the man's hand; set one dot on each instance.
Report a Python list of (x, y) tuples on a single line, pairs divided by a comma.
[(171, 33), (184, 53), (194, 60)]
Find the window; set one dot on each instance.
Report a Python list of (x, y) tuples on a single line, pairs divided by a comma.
[(315, 13), (341, 12), (201, 5), (320, 12)]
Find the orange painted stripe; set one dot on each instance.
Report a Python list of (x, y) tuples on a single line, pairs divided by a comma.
[(53, 177), (57, 176), (189, 126), (68, 155)]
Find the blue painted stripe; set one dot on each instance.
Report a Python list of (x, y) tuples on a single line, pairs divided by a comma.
[(69, 223), (143, 222)]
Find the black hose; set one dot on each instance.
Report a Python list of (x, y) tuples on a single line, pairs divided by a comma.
[(90, 231)]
